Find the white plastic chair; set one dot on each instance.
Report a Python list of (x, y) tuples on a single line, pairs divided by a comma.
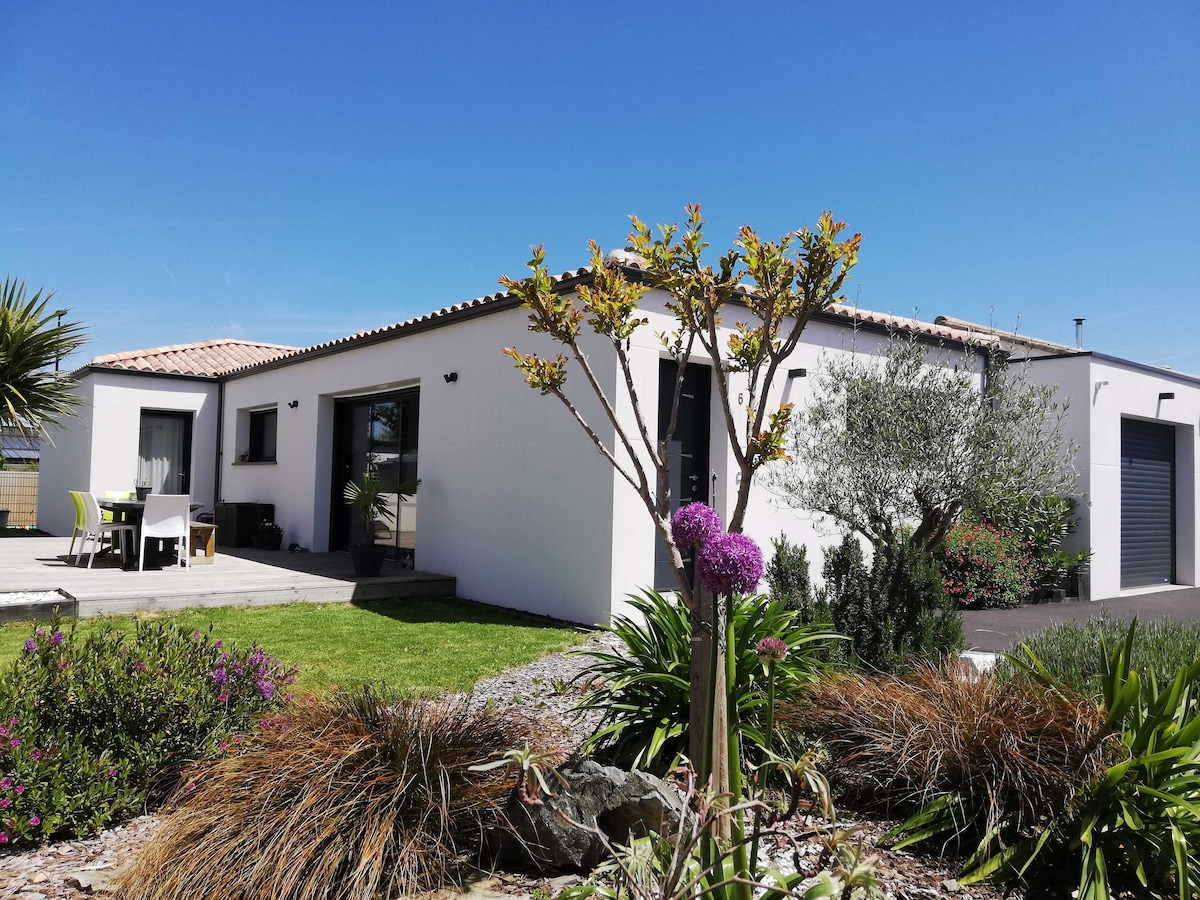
[(95, 529), (166, 516)]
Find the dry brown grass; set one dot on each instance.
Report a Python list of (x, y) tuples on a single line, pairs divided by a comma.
[(353, 796), (1017, 751)]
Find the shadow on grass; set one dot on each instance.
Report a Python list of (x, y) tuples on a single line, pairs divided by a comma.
[(449, 610)]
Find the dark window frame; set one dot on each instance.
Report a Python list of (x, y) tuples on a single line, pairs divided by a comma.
[(257, 451)]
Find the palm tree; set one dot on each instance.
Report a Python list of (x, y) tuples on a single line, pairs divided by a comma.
[(33, 395)]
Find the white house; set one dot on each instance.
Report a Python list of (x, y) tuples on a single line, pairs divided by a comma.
[(515, 502)]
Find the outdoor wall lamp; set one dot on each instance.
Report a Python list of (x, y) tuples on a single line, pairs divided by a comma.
[(1167, 395), (797, 373), (451, 377), (293, 404)]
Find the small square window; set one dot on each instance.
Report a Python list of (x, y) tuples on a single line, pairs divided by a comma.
[(263, 425)]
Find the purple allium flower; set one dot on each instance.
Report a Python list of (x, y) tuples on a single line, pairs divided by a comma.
[(5, 803), (31, 645), (3, 837), (222, 697), (190, 786), (730, 564), (19, 789), (5, 784), (34, 821), (196, 635), (14, 743), (140, 666), (36, 754), (56, 638), (219, 676), (771, 650), (112, 773), (694, 524)]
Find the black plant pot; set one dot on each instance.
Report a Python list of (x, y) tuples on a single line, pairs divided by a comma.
[(142, 492), (271, 540), (3, 518), (368, 560)]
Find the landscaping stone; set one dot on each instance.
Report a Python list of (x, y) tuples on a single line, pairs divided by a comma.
[(622, 805)]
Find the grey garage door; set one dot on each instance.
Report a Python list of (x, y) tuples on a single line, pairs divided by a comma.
[(1147, 503)]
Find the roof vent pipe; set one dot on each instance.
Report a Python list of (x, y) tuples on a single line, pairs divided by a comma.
[(1079, 334)]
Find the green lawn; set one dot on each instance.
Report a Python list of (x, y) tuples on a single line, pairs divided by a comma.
[(423, 645)]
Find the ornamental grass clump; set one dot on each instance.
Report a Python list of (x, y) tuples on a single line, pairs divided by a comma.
[(1013, 752), (354, 795), (98, 728)]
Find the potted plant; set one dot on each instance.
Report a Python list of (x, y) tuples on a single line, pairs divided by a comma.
[(142, 489), (370, 501), (270, 535)]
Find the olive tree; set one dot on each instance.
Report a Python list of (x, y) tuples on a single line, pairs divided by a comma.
[(910, 437), (771, 289)]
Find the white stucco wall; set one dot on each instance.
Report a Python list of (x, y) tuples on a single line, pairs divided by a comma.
[(98, 451), (66, 465), (514, 501), (1102, 392)]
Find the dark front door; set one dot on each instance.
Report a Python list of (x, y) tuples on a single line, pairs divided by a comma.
[(688, 449), (379, 435), (1147, 503), (165, 452)]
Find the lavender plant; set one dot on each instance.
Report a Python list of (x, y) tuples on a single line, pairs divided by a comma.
[(97, 728)]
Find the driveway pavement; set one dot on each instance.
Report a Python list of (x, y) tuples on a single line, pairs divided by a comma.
[(994, 630)]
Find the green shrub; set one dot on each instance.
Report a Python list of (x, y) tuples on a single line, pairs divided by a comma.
[(985, 567), (1073, 652), (356, 795), (644, 690), (96, 728), (895, 613), (788, 578), (1042, 524)]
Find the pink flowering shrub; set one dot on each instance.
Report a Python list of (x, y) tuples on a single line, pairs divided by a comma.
[(985, 567), (93, 729)]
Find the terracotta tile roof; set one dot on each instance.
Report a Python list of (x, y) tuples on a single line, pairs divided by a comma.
[(942, 327), (1007, 338), (206, 358)]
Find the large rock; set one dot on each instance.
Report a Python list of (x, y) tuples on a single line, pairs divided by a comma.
[(622, 805)]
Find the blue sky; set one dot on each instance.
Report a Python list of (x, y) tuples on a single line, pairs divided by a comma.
[(294, 172)]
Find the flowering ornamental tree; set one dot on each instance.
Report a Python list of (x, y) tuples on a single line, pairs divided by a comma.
[(773, 289)]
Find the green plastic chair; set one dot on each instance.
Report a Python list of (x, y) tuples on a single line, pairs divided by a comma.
[(80, 521), (106, 515)]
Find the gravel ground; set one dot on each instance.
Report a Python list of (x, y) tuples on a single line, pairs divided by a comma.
[(72, 870)]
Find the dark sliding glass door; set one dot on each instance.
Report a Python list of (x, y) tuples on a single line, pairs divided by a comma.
[(376, 434)]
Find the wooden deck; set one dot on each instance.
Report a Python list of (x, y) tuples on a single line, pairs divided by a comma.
[(236, 577)]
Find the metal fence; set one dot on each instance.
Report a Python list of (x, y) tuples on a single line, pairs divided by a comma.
[(19, 495)]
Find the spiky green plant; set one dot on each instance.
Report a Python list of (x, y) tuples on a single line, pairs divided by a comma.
[(643, 690), (32, 340), (355, 795)]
